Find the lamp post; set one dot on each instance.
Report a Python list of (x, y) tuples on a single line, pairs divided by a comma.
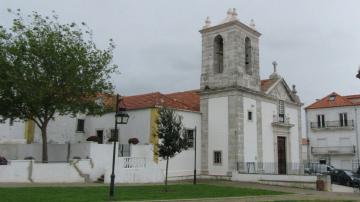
[(194, 181), (121, 117)]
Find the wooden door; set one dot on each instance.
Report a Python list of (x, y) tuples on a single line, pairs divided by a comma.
[(100, 135), (281, 145)]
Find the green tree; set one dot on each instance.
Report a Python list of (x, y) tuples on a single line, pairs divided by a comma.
[(171, 136), (48, 69)]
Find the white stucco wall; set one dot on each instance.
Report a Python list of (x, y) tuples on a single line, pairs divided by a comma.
[(12, 134), (295, 146), (138, 126), (250, 131), (61, 130), (267, 111), (218, 134)]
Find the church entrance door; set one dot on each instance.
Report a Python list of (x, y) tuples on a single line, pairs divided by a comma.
[(281, 148)]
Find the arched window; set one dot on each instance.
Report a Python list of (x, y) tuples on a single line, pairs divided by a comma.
[(248, 64), (219, 54)]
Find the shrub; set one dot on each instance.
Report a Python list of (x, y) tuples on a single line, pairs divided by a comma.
[(93, 139), (3, 161), (133, 140)]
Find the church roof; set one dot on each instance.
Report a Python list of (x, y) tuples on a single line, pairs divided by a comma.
[(335, 100), (188, 100), (266, 84)]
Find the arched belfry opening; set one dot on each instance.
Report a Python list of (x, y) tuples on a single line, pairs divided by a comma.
[(248, 63), (219, 54)]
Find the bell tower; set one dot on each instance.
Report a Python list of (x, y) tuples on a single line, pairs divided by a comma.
[(230, 54)]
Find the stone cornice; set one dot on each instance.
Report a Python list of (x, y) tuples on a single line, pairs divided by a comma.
[(246, 90), (227, 24)]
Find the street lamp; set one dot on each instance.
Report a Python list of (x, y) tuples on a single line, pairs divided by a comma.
[(121, 117)]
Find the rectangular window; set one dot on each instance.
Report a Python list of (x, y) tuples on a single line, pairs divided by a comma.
[(250, 116), (343, 119), (80, 125), (281, 111), (189, 133), (321, 121), (217, 157)]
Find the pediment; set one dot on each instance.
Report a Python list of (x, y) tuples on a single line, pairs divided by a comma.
[(280, 90)]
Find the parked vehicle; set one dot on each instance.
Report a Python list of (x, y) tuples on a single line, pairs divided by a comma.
[(345, 177), (316, 168)]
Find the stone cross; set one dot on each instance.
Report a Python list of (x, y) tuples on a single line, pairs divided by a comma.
[(274, 64)]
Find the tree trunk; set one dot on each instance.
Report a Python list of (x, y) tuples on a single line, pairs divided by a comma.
[(166, 175), (44, 144)]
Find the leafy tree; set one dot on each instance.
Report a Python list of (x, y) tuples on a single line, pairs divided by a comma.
[(48, 68), (171, 136)]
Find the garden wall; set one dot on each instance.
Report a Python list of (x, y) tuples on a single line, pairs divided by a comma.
[(300, 181), (26, 171)]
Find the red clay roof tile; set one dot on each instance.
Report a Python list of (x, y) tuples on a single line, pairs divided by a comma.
[(325, 102), (187, 100), (266, 84)]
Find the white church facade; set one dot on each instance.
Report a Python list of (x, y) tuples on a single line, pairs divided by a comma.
[(248, 124), (243, 123)]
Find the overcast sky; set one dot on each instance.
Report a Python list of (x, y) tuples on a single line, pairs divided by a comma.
[(315, 43)]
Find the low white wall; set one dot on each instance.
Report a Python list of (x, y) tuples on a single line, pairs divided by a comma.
[(264, 177), (55, 172), (302, 181), (135, 170), (24, 171), (138, 175), (15, 171), (101, 155)]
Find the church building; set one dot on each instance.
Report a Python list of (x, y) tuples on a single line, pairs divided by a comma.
[(236, 122), (247, 124)]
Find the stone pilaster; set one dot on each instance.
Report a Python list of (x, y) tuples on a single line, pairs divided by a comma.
[(259, 132), (240, 130), (204, 103), (233, 119)]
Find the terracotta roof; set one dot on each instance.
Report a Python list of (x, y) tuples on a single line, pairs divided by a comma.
[(354, 98), (266, 84), (190, 98), (181, 100), (187, 100), (337, 101)]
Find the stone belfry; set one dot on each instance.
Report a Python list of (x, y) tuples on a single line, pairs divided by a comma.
[(230, 54)]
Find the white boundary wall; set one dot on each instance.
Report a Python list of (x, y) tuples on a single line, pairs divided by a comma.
[(301, 181), (24, 171)]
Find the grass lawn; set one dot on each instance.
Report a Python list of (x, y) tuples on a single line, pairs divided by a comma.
[(151, 192), (313, 201)]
